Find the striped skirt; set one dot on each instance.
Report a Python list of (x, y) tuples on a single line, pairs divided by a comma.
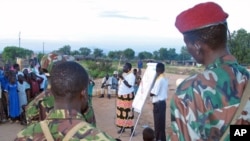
[(124, 113)]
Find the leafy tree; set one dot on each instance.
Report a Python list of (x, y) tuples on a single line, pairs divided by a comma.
[(98, 53), (75, 52), (65, 50), (239, 46), (184, 55), (156, 55), (11, 52), (85, 51), (163, 53), (145, 55), (100, 68), (115, 54), (129, 53), (172, 55)]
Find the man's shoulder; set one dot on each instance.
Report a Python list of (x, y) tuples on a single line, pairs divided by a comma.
[(29, 131), (44, 95), (77, 126)]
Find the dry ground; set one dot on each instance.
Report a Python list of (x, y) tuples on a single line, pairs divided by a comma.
[(104, 109)]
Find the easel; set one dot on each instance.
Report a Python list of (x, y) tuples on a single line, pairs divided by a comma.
[(143, 91)]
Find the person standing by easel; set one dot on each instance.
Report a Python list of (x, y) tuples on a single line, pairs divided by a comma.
[(159, 96)]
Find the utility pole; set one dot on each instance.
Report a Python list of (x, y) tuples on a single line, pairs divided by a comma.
[(19, 39), (43, 48)]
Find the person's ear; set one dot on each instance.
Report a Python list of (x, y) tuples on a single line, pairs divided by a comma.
[(84, 94), (197, 48)]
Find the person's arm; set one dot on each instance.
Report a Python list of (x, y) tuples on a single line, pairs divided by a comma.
[(39, 79), (124, 81), (156, 88), (6, 94), (151, 94)]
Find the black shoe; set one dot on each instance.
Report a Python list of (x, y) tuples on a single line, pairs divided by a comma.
[(132, 134), (102, 96), (121, 131), (109, 96)]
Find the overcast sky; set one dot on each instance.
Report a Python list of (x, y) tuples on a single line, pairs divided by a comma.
[(116, 24)]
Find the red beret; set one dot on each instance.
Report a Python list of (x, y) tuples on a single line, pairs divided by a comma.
[(199, 16)]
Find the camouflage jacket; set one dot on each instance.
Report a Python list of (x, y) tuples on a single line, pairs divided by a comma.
[(205, 103), (59, 123), (39, 108)]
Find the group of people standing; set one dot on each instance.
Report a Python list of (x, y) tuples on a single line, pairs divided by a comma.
[(18, 88)]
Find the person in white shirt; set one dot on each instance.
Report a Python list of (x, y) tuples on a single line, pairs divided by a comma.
[(106, 86), (159, 96), (44, 84), (125, 97)]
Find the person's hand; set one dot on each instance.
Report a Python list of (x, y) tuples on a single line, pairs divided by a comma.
[(120, 76)]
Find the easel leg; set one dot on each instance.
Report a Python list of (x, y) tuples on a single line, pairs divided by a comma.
[(135, 127)]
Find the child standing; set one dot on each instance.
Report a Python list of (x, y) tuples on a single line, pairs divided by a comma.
[(22, 86), (12, 98), (90, 90)]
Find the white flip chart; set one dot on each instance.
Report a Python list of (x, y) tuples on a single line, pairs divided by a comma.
[(144, 87)]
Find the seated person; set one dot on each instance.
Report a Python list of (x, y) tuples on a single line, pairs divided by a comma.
[(106, 86)]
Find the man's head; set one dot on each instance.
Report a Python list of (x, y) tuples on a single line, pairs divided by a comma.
[(148, 134), (32, 63), (107, 76), (204, 28), (160, 68), (127, 67), (16, 67), (135, 71), (115, 73), (69, 81)]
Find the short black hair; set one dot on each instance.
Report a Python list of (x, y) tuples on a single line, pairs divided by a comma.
[(160, 67), (148, 134), (67, 79), (214, 36), (15, 65), (129, 65)]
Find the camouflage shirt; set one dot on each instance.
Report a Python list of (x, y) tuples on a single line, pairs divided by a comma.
[(59, 123), (205, 103), (39, 108)]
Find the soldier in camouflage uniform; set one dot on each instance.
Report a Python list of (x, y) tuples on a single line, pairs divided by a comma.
[(205, 103), (69, 81), (40, 106)]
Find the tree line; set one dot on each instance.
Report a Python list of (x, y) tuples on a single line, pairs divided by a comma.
[(238, 43)]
